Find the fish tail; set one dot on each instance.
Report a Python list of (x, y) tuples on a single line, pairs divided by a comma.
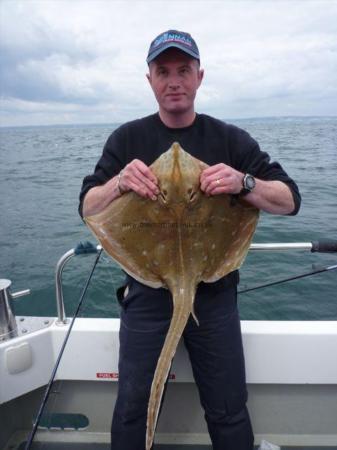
[(181, 312)]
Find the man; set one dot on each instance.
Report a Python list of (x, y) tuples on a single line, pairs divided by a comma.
[(237, 166)]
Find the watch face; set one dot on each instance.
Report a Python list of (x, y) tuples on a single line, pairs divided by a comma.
[(249, 182)]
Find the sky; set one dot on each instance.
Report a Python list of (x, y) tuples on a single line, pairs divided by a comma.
[(83, 62)]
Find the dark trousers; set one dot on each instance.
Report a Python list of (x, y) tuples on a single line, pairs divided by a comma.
[(216, 354)]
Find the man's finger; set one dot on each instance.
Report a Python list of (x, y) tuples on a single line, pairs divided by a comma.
[(146, 181), (138, 177), (142, 190), (212, 170), (145, 171), (212, 181)]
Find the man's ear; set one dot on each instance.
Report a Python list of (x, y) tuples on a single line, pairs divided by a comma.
[(148, 76), (200, 76)]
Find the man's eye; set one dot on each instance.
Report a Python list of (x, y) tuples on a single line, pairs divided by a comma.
[(184, 70)]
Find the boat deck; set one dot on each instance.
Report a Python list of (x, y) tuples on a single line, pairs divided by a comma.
[(81, 446)]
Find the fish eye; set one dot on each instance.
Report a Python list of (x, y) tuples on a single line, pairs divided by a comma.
[(192, 194)]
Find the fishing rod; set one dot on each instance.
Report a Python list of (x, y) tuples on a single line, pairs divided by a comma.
[(294, 277), (321, 246), (87, 248)]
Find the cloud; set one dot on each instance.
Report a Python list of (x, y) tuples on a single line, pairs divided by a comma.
[(84, 61)]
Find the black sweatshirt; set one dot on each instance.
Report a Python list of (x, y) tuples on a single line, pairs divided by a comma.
[(207, 139)]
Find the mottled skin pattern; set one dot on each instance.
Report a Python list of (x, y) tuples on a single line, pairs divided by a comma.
[(178, 241)]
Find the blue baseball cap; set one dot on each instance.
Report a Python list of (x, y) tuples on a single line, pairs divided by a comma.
[(173, 38)]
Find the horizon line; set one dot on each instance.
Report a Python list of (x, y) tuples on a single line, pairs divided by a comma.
[(92, 124)]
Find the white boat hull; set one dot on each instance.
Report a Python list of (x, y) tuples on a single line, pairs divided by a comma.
[(291, 373)]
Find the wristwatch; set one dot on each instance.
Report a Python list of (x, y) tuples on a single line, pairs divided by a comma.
[(248, 184)]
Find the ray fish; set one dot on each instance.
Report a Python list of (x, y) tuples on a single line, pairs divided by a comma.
[(177, 241)]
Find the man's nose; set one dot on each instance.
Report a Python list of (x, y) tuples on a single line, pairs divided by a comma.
[(174, 82)]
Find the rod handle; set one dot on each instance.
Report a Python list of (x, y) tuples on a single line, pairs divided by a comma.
[(324, 246), (20, 293), (86, 247)]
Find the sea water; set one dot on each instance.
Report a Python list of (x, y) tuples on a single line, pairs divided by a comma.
[(41, 172)]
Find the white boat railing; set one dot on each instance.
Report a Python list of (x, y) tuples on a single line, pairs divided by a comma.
[(83, 248), (323, 246), (282, 246)]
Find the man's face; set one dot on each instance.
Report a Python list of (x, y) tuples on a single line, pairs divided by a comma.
[(175, 77)]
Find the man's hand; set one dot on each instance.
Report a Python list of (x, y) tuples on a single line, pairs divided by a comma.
[(138, 177), (271, 196), (221, 179)]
